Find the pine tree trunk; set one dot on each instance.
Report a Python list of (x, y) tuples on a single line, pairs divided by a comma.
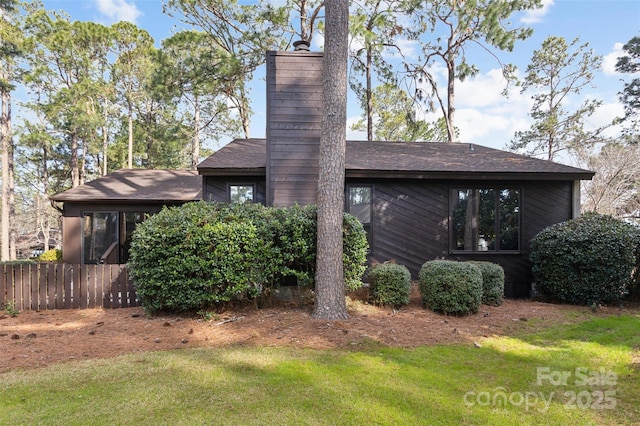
[(330, 301), (5, 129)]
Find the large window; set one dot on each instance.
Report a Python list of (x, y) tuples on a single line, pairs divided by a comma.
[(239, 194), (100, 232), (107, 235), (359, 204), (486, 219)]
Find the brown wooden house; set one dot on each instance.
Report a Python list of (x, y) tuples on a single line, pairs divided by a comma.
[(417, 201)]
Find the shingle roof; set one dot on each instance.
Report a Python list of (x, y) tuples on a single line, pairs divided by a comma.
[(405, 159), (139, 185)]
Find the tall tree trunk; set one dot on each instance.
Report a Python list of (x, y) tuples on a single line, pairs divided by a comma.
[(130, 145), (330, 301), (195, 148), (451, 106), (8, 208), (369, 96), (75, 170), (105, 139)]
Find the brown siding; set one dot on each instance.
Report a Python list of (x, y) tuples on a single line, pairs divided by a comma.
[(294, 117), (411, 220)]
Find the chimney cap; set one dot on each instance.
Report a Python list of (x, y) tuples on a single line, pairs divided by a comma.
[(301, 46)]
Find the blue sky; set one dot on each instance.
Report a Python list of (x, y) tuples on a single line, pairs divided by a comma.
[(484, 116)]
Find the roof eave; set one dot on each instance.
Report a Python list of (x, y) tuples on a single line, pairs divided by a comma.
[(455, 175)]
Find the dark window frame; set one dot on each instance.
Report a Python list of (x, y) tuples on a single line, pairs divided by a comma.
[(115, 232), (498, 222)]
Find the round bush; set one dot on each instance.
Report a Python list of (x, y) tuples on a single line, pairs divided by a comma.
[(389, 284), (451, 287), (492, 282), (588, 260), (51, 255)]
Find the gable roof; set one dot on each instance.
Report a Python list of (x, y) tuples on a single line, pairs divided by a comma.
[(404, 160), (139, 185)]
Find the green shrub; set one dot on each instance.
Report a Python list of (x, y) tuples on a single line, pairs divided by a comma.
[(389, 284), (588, 260), (451, 287), (52, 255), (200, 254), (492, 282)]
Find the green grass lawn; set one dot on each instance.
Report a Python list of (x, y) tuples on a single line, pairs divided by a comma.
[(576, 374)]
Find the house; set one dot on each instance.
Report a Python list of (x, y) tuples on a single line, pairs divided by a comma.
[(417, 201)]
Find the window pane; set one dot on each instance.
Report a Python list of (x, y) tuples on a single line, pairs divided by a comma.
[(129, 222), (486, 234), (239, 194), (463, 219), (360, 203), (100, 231), (509, 219)]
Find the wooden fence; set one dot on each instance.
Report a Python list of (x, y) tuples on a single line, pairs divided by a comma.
[(44, 286)]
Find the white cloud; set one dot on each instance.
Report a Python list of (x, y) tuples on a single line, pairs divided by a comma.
[(609, 60), (536, 15), (119, 10)]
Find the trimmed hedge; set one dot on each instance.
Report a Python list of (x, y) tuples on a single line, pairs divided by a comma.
[(200, 254), (451, 287), (588, 260), (492, 282), (389, 284)]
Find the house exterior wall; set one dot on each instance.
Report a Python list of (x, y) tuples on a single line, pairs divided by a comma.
[(294, 118), (411, 221)]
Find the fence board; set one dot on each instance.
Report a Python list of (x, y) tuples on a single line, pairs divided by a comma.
[(59, 287), (40, 300), (25, 279), (68, 278)]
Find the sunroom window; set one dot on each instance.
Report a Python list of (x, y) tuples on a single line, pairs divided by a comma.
[(485, 219), (359, 205)]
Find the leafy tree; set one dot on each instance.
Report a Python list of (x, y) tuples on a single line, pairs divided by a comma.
[(330, 301), (557, 71), (456, 26), (198, 75), (9, 50), (396, 118), (244, 32), (131, 71), (309, 14), (374, 26), (630, 64)]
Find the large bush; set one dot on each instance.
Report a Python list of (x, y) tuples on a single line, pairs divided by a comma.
[(588, 260), (389, 284), (51, 255), (492, 282), (200, 254), (451, 287)]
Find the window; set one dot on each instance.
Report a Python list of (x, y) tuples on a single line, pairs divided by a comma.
[(486, 220), (107, 235), (359, 204), (100, 232), (239, 194)]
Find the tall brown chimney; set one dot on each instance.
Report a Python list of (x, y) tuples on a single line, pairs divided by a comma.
[(294, 119)]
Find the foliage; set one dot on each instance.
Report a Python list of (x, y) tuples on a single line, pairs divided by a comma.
[(198, 255), (51, 255), (396, 118), (557, 71), (455, 27), (451, 287), (630, 64), (10, 308), (389, 284), (588, 260), (492, 282)]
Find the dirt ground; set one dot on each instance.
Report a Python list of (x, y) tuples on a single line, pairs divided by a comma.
[(36, 339)]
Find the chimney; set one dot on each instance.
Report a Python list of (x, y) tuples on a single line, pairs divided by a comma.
[(294, 119)]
